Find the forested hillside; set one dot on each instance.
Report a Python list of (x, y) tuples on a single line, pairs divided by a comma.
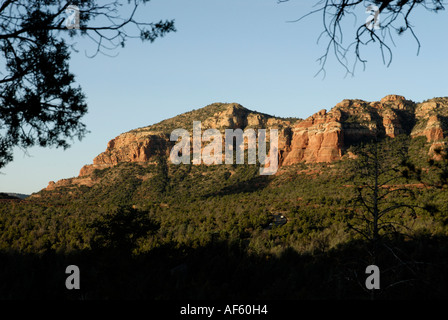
[(162, 231)]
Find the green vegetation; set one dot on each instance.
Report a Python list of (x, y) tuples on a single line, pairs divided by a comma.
[(210, 112), (184, 119), (165, 231)]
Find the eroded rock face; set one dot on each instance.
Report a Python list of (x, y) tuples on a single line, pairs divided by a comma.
[(322, 137), (79, 181), (89, 168), (325, 136), (131, 147), (430, 123), (234, 116), (434, 129), (317, 139)]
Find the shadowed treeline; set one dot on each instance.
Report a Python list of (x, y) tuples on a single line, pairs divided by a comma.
[(223, 270)]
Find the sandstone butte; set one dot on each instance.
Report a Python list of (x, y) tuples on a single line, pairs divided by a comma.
[(322, 137)]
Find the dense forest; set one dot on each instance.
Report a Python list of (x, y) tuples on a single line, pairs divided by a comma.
[(163, 231)]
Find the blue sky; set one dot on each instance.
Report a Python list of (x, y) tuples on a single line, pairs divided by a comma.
[(228, 51)]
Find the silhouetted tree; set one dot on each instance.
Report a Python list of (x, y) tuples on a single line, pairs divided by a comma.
[(383, 201), (39, 101), (387, 17), (381, 194), (121, 228)]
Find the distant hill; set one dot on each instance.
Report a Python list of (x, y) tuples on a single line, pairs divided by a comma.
[(12, 195), (9, 196), (18, 195)]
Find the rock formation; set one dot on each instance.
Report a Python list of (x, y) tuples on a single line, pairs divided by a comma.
[(322, 137)]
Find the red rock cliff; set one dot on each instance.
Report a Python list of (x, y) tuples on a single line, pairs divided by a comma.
[(323, 137)]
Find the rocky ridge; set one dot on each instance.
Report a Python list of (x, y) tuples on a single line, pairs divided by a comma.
[(322, 137)]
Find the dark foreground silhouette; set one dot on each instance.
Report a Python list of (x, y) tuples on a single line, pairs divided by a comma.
[(414, 269)]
